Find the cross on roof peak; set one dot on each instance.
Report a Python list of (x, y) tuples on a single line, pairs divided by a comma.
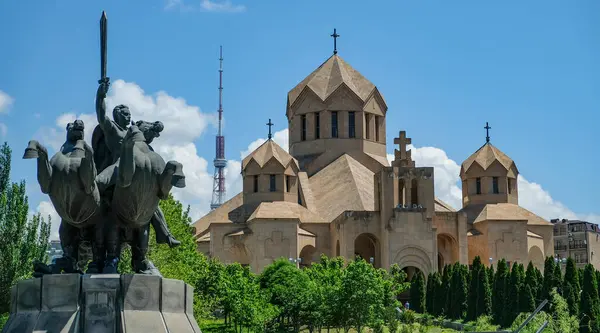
[(335, 37), (403, 156), (270, 124), (487, 132)]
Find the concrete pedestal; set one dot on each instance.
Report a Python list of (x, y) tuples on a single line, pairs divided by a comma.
[(72, 303)]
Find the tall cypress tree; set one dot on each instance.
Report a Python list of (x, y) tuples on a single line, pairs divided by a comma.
[(589, 311), (490, 272), (430, 294), (499, 292), (439, 298), (459, 289), (557, 279), (484, 294), (473, 291), (446, 286), (514, 286), (548, 282), (531, 280), (571, 286), (417, 293), (539, 278)]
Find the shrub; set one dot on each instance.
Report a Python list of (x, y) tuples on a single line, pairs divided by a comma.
[(408, 317)]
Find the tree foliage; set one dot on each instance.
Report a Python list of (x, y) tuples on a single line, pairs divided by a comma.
[(24, 240)]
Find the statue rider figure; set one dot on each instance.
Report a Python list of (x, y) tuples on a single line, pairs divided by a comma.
[(106, 143)]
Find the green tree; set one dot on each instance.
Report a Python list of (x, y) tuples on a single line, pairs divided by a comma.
[(484, 294), (531, 280), (571, 286), (491, 275), (437, 299), (473, 290), (459, 290), (429, 294), (417, 293), (290, 290), (589, 311), (445, 296), (499, 292), (24, 241), (327, 278), (361, 294), (549, 278)]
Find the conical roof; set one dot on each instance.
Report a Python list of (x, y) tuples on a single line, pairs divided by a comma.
[(486, 156), (330, 76), (267, 151)]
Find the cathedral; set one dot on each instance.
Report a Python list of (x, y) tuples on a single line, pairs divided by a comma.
[(335, 193)]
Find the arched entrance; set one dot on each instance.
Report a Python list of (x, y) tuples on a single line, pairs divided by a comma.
[(307, 256), (447, 250), (441, 263), (411, 272), (366, 246), (536, 256)]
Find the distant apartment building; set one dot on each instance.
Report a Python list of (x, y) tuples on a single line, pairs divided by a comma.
[(579, 240), (54, 250)]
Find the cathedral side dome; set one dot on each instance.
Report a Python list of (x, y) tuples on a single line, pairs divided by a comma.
[(270, 174), (486, 156), (269, 151), (489, 176)]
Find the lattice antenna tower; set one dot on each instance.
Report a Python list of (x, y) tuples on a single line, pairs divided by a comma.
[(220, 162)]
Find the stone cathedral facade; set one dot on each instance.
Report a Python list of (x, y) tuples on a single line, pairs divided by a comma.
[(335, 193)]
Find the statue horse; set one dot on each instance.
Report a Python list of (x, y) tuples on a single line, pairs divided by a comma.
[(142, 180), (69, 179)]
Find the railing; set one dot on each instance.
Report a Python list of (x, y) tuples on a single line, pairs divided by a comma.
[(577, 246), (560, 247)]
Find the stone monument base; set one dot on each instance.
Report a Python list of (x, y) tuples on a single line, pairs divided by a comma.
[(73, 303)]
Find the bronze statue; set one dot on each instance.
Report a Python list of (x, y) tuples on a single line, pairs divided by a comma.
[(69, 178), (107, 194)]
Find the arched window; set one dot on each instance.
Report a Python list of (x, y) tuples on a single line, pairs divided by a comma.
[(495, 185), (414, 192), (401, 193)]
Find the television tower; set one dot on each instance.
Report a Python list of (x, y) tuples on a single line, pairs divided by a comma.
[(220, 162)]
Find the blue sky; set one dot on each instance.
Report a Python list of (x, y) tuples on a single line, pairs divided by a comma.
[(531, 69)]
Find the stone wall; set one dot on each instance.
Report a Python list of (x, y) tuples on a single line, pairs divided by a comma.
[(101, 303)]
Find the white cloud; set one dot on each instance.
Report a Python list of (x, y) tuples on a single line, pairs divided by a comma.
[(5, 101), (224, 6), (532, 196), (46, 209), (185, 123)]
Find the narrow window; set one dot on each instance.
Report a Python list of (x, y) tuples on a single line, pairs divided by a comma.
[(509, 186), (334, 124), (478, 185), (303, 121), (299, 197), (401, 200), (495, 185), (351, 125), (414, 192), (317, 125), (377, 128), (287, 183), (272, 186), (255, 183), (367, 127)]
